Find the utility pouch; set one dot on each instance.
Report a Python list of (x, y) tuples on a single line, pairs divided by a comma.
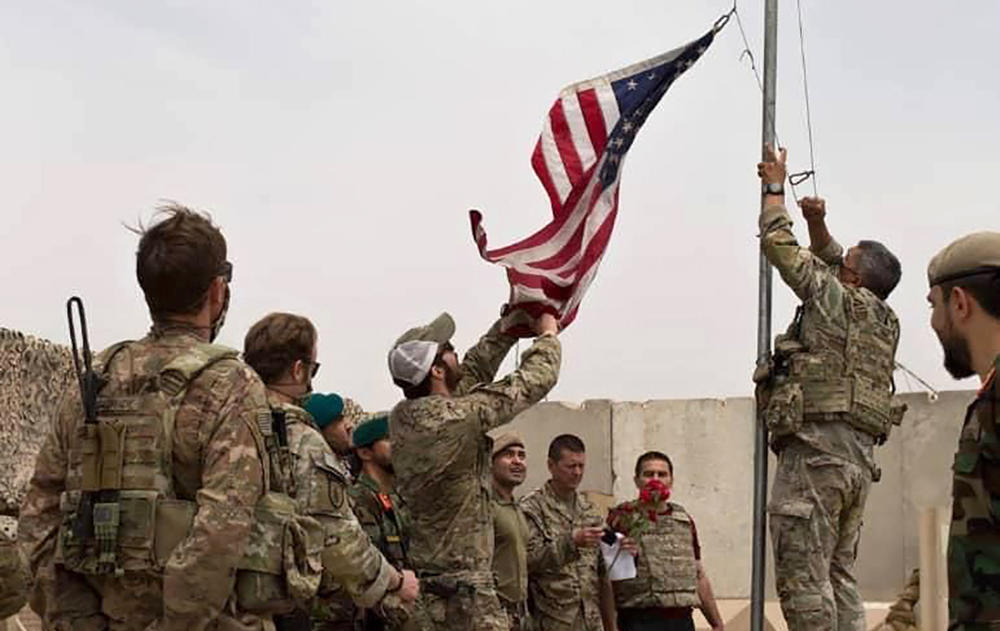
[(174, 519), (783, 413), (282, 566)]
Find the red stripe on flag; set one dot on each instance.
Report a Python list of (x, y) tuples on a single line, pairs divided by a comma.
[(564, 141), (594, 118), (542, 171)]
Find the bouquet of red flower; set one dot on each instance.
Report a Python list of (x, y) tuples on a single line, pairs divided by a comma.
[(635, 517)]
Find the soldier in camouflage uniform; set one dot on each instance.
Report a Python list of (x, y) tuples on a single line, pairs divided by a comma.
[(670, 579), (441, 453), (514, 556), (382, 512), (281, 348), (576, 596), (201, 475), (964, 294), (14, 579), (336, 416), (827, 400)]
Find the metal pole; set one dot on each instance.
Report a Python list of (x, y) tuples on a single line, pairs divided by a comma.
[(763, 337)]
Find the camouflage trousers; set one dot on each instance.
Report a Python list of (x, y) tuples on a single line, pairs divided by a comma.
[(472, 609), (816, 509), (128, 603)]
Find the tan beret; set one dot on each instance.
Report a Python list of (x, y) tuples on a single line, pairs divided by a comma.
[(505, 441), (972, 254)]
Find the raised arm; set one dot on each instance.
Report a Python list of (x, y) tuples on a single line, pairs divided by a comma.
[(821, 242), (498, 403), (482, 361), (805, 273)]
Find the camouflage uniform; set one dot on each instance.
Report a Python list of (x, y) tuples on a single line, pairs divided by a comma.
[(827, 403), (974, 538), (218, 463), (513, 559), (14, 579), (353, 569), (385, 517), (566, 598), (901, 616), (666, 569), (441, 454)]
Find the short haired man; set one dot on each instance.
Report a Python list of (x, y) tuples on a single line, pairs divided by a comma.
[(515, 555), (382, 513), (218, 467), (670, 579), (827, 400), (441, 453), (575, 596), (964, 295), (282, 348)]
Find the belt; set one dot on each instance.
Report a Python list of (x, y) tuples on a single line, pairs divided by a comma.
[(449, 584)]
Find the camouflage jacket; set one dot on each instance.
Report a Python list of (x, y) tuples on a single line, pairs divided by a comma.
[(353, 569), (813, 277), (974, 539), (514, 559), (667, 565), (441, 452), (566, 597), (14, 579), (384, 516), (219, 463)]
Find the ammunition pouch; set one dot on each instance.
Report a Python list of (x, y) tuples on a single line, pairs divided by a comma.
[(282, 567), (124, 531), (856, 401), (783, 412), (450, 585)]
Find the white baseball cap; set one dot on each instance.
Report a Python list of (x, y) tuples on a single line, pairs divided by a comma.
[(410, 362)]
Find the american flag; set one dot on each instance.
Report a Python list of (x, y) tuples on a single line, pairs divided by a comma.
[(578, 159)]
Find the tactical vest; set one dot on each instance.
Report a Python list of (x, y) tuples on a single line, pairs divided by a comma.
[(120, 511), (667, 571), (824, 373), (283, 565)]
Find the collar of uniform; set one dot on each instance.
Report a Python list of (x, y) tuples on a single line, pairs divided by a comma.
[(568, 509), (161, 330), (292, 411), (368, 482), (989, 379)]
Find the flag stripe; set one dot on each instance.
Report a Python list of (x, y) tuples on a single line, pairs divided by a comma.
[(564, 141), (594, 119), (553, 162), (578, 131)]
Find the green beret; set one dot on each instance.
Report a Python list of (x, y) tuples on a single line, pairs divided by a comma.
[(374, 429), (324, 408), (976, 253)]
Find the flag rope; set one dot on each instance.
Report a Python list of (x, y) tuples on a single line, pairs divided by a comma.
[(794, 179)]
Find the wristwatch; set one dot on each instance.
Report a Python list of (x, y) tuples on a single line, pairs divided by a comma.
[(772, 188)]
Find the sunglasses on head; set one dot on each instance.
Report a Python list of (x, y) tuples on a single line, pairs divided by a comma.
[(227, 271)]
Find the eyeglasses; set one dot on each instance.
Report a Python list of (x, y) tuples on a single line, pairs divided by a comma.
[(227, 271)]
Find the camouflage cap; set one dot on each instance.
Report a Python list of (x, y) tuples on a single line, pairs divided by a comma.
[(506, 441), (440, 330), (372, 429), (976, 253), (353, 411)]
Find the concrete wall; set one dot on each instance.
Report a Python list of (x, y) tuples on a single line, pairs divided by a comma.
[(711, 444)]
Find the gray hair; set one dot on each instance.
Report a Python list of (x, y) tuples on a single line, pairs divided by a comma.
[(878, 267)]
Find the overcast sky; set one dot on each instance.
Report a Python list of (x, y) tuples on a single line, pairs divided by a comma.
[(341, 144)]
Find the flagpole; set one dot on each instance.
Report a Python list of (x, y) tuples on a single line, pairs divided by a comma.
[(763, 336)]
